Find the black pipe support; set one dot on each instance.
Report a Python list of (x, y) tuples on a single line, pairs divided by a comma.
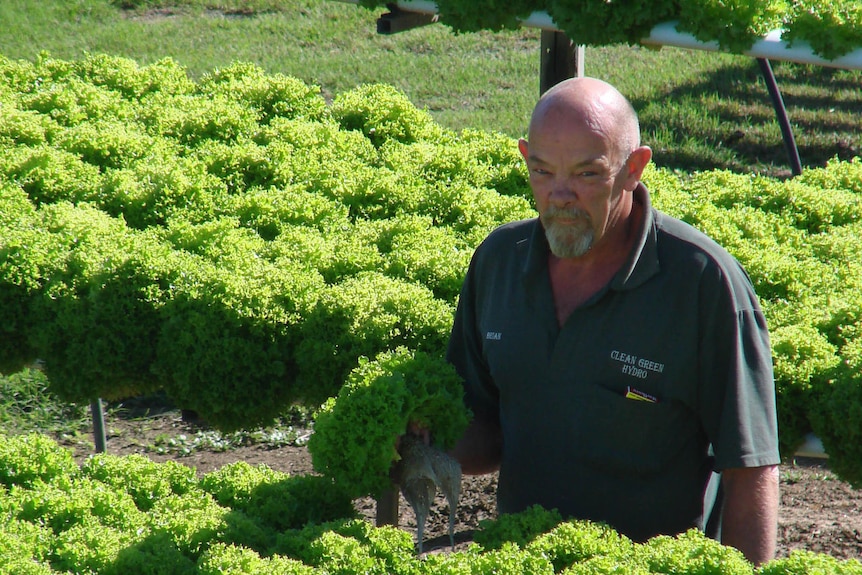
[(97, 412), (781, 115)]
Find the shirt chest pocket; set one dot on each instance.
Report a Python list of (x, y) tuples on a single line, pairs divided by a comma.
[(621, 435)]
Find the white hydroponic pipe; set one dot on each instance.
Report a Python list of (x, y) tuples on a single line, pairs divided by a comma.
[(811, 447), (771, 46)]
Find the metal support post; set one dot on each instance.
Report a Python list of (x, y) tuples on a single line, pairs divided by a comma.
[(398, 20), (560, 59), (98, 415), (781, 115)]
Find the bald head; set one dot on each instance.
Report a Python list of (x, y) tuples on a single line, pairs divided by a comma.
[(594, 104)]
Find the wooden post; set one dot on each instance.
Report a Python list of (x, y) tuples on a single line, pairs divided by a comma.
[(560, 59), (397, 20), (387, 507)]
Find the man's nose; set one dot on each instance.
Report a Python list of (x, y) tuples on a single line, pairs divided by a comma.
[(563, 193)]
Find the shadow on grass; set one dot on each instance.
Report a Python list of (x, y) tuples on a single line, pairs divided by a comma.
[(726, 120)]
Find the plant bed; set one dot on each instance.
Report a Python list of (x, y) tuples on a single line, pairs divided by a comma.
[(818, 513)]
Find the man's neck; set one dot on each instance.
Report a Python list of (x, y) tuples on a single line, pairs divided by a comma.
[(575, 280)]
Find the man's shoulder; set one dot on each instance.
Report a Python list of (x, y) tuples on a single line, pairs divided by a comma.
[(681, 245), (509, 234), (505, 248), (687, 238)]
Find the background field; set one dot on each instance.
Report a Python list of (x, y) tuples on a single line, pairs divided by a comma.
[(699, 110)]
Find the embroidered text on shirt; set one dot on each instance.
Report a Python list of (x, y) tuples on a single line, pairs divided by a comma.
[(636, 366)]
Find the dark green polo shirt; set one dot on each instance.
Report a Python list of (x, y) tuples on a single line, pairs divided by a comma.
[(679, 327)]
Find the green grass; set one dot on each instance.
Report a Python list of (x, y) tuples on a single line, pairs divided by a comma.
[(27, 405), (699, 110)]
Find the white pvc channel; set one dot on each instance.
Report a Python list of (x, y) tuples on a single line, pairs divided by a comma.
[(812, 447)]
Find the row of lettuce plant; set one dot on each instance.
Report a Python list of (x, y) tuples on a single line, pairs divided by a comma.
[(159, 234), (119, 515), (241, 243), (832, 28)]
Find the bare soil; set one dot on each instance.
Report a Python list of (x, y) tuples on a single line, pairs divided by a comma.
[(818, 512)]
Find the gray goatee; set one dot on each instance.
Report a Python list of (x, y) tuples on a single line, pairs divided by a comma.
[(570, 239)]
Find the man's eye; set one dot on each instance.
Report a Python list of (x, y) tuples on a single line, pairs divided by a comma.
[(540, 172)]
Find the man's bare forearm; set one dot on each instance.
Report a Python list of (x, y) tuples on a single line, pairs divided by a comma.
[(479, 449), (750, 517)]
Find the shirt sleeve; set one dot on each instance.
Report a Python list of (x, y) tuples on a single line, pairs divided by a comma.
[(737, 395), (465, 351)]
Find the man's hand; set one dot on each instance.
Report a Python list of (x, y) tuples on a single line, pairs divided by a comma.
[(749, 519), (480, 449)]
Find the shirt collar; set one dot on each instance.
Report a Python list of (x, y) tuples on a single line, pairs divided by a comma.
[(642, 262)]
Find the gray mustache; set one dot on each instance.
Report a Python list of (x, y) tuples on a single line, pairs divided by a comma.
[(554, 212)]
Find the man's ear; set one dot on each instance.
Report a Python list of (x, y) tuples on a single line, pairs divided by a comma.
[(636, 164), (522, 147)]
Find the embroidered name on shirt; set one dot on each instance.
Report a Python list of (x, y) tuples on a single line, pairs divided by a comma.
[(635, 366), (495, 335)]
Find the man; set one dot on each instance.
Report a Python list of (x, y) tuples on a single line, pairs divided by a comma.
[(614, 357)]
